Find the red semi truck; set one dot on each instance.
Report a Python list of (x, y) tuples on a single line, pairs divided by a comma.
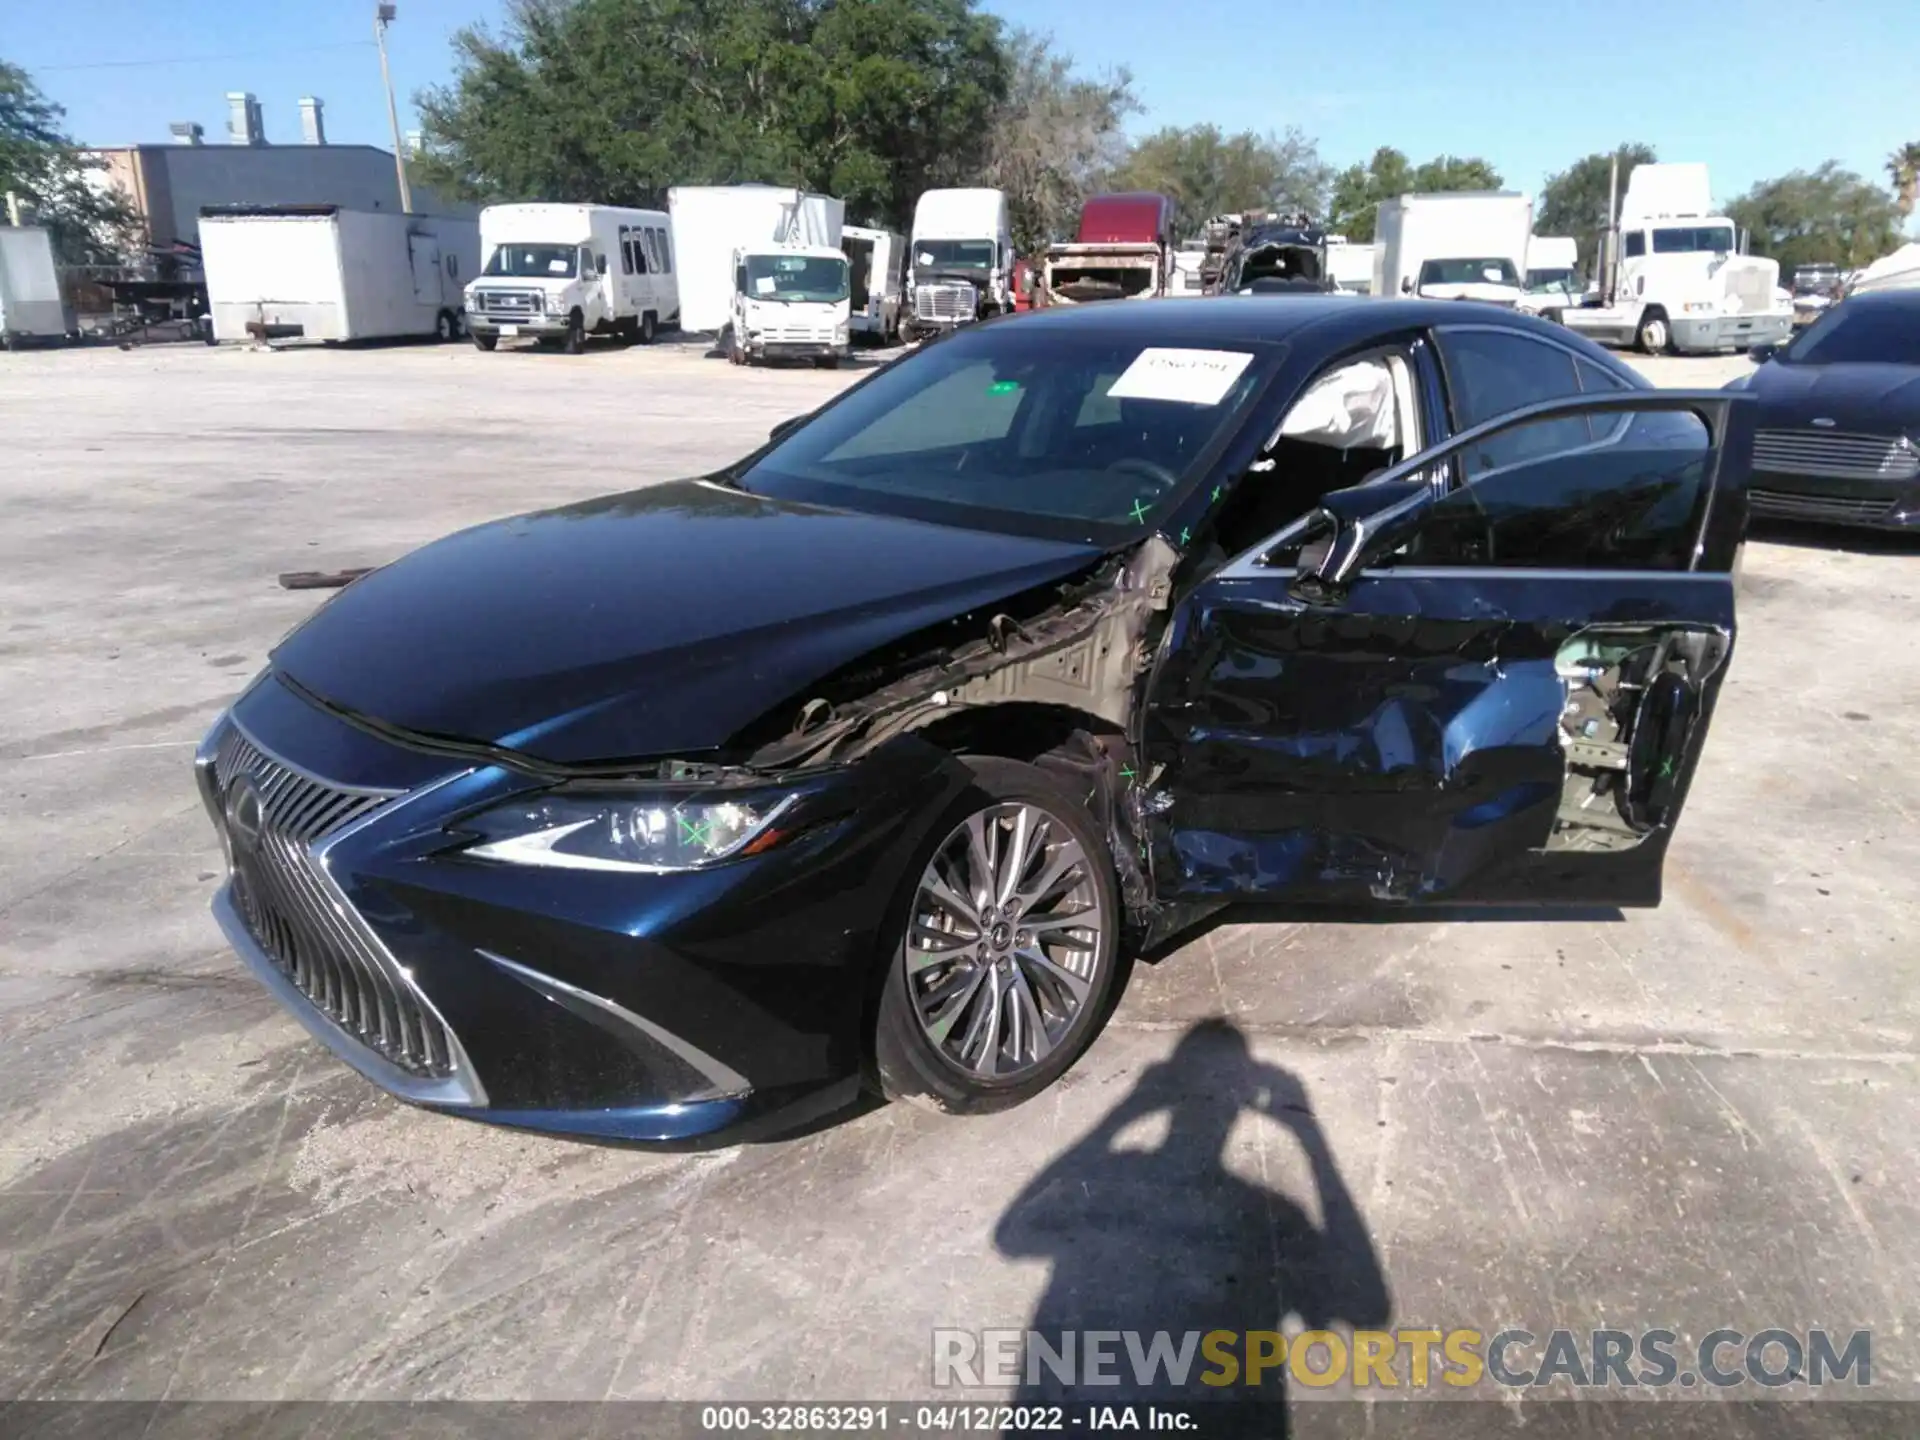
[(1123, 251)]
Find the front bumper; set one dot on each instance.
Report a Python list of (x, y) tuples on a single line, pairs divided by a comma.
[(542, 327), (1701, 333), (762, 349), (703, 1006)]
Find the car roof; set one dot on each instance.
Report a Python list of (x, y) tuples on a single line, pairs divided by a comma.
[(1331, 322), (1909, 297)]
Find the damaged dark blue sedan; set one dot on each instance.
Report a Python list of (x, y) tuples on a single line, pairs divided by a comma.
[(681, 813)]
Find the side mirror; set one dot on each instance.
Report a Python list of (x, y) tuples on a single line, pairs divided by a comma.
[(784, 426), (1406, 285), (1358, 524), (1761, 354)]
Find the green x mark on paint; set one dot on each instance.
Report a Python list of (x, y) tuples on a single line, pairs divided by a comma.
[(1128, 773), (1186, 534), (1218, 490), (1666, 767), (692, 834), (1139, 511), (1003, 387)]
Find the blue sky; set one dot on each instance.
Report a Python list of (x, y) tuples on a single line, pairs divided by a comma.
[(1752, 87)]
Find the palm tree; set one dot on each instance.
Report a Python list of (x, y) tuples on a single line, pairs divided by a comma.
[(1904, 166)]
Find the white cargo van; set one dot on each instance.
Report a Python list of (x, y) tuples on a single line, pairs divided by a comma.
[(564, 272), (1554, 284), (962, 260), (1678, 278), (322, 274), (1453, 245), (712, 223), (790, 302), (1350, 265), (30, 303), (876, 275)]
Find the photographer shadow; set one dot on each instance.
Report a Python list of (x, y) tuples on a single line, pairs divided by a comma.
[(1148, 1237)]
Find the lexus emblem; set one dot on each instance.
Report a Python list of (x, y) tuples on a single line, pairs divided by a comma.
[(1824, 423), (244, 815)]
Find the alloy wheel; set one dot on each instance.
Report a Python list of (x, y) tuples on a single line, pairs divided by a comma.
[(1004, 941)]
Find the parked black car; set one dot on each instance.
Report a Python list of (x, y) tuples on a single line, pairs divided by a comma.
[(1839, 417), (677, 813)]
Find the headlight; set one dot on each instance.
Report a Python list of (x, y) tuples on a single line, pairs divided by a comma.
[(556, 304), (642, 834), (840, 333)]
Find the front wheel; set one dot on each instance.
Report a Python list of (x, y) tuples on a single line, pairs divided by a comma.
[(1654, 336), (576, 341), (1005, 957), (649, 326)]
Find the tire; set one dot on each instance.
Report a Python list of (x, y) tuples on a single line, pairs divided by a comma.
[(443, 326), (484, 342), (576, 341), (1554, 317), (826, 362), (1655, 335), (953, 1074), (649, 327), (735, 354)]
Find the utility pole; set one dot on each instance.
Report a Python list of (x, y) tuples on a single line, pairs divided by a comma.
[(1610, 237), (383, 17)]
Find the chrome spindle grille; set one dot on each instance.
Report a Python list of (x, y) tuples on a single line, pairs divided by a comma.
[(300, 917), (1836, 455)]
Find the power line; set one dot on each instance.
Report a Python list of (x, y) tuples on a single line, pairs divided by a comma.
[(205, 59)]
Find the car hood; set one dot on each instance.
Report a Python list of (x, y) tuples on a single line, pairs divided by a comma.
[(1873, 398), (653, 623)]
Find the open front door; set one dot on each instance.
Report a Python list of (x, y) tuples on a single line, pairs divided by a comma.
[(1491, 686)]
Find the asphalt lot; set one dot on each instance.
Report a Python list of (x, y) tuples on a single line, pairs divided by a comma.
[(1695, 1117)]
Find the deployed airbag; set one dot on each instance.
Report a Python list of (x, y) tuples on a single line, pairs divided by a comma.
[(1347, 409)]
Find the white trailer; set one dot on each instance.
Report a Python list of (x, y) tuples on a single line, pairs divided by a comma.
[(30, 303), (877, 262), (1554, 283), (1678, 277), (320, 273), (1453, 245), (713, 222), (1350, 265), (564, 272)]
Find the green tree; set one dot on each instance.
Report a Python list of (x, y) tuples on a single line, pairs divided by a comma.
[(1826, 214), (1359, 189), (617, 100), (39, 163), (1206, 172), (1054, 137), (1574, 200), (1903, 167)]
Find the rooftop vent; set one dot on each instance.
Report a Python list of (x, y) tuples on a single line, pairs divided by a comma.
[(243, 119), (188, 132), (313, 123)]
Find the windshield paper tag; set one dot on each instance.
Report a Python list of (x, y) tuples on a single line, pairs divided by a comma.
[(763, 284), (1193, 377)]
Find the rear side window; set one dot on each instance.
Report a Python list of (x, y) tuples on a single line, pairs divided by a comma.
[(1492, 373), (1631, 500)]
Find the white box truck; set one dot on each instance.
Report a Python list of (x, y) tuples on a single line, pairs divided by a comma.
[(1677, 278), (962, 260), (1350, 265), (1453, 245), (876, 279), (320, 273), (559, 273), (711, 223), (1554, 284), (790, 302), (30, 305)]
